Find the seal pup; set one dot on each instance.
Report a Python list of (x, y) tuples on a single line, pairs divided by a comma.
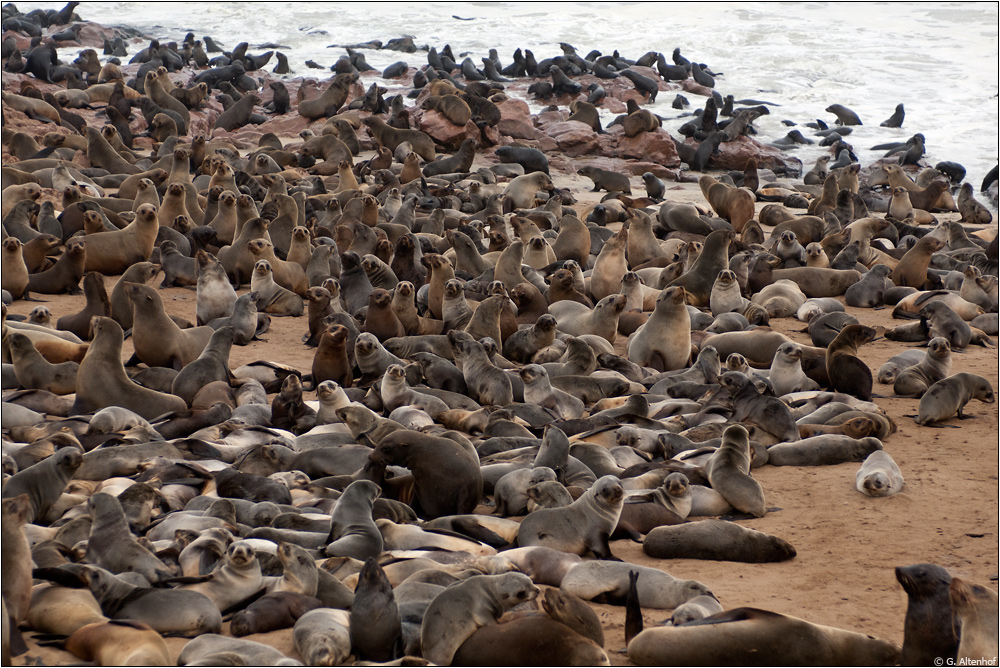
[(583, 526), (459, 610), (729, 472), (936, 365), (879, 475), (949, 396), (375, 629)]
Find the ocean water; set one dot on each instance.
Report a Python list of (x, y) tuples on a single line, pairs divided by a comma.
[(939, 59)]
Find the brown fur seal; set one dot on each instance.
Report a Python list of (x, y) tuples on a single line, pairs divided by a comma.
[(975, 608), (929, 631), (331, 361), (271, 297), (606, 180), (576, 319), (912, 268), (750, 635), (157, 339), (734, 204), (34, 372), (331, 100), (102, 381), (664, 342), (520, 192), (949, 396), (879, 476), (65, 274), (936, 365), (114, 252), (846, 372), (458, 611), (729, 472), (391, 137), (714, 258), (716, 540), (582, 527), (447, 479)]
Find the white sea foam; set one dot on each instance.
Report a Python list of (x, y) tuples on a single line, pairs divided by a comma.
[(939, 59)]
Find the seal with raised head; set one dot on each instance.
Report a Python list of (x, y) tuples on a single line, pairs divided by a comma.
[(929, 632), (664, 342), (583, 526), (729, 472), (975, 609), (847, 373), (459, 610), (353, 532), (375, 630), (102, 381), (914, 381)]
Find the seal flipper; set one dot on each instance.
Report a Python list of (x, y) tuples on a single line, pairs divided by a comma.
[(468, 528), (603, 551), (633, 611)]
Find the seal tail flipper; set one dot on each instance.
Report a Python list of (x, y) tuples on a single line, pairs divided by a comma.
[(633, 611)]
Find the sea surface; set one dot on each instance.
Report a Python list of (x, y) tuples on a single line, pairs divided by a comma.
[(939, 59)]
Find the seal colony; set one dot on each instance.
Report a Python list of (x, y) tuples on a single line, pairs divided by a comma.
[(455, 395)]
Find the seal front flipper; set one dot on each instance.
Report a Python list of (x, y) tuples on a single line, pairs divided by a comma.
[(633, 611)]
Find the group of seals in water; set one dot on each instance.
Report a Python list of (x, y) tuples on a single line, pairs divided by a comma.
[(477, 341)]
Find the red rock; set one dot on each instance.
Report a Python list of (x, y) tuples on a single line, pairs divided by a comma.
[(287, 125), (442, 130), (547, 144), (93, 35), (626, 94), (734, 155), (656, 146), (691, 86), (637, 168), (574, 138), (515, 119), (612, 105), (550, 118)]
